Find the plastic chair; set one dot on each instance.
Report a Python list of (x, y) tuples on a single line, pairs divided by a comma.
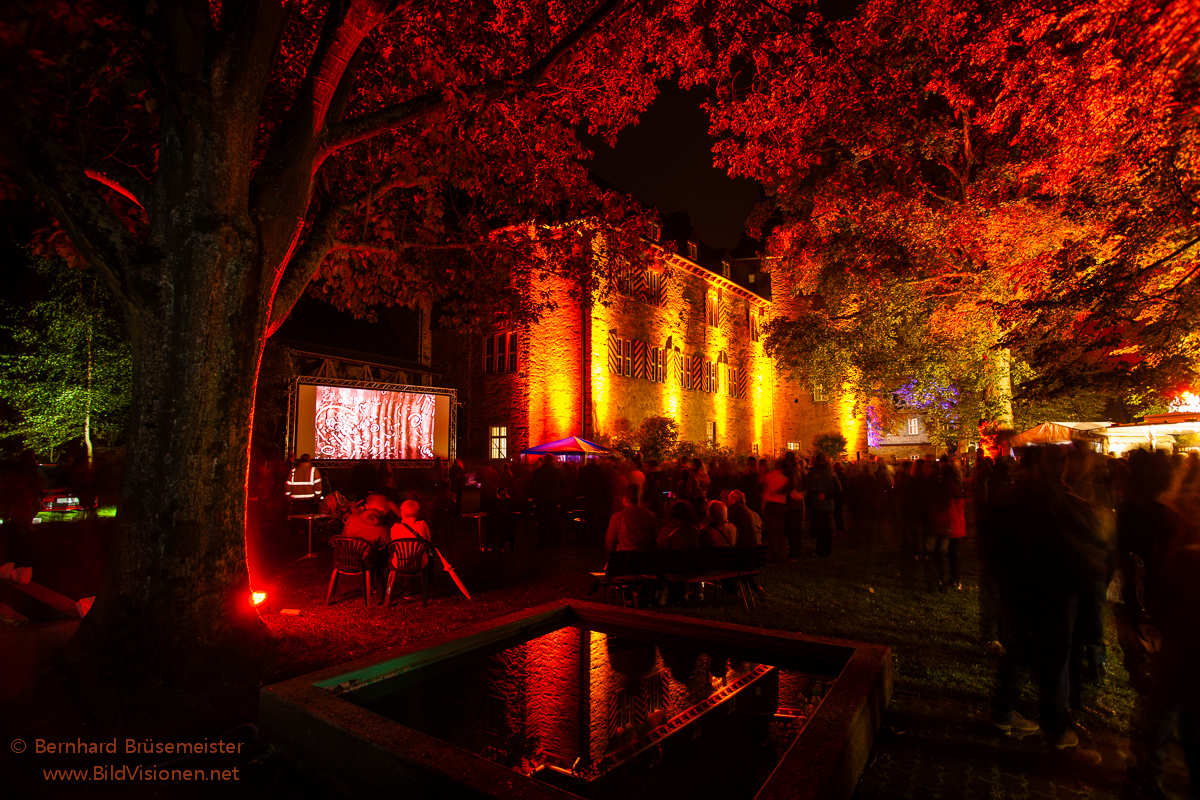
[(350, 557), (408, 558)]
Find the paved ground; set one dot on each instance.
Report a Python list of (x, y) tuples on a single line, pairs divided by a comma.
[(929, 747)]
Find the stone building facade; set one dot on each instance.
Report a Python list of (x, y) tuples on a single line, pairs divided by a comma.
[(678, 338), (909, 440)]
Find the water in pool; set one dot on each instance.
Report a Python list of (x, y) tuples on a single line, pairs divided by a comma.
[(606, 715)]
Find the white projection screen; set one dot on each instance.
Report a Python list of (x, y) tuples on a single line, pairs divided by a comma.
[(358, 423)]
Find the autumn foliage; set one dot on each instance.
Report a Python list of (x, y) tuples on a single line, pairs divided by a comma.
[(960, 188)]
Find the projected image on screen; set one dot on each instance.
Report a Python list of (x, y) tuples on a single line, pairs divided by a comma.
[(354, 423)]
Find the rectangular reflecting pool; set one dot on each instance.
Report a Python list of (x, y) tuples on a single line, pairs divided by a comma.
[(580, 699)]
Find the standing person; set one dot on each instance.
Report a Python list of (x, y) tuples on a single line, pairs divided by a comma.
[(437, 474), (839, 502), (947, 525), (912, 511), (25, 498), (1169, 703), (545, 485), (489, 482), (793, 520), (823, 495), (593, 486), (303, 487), (750, 484), (776, 489), (699, 483), (458, 483), (1044, 546)]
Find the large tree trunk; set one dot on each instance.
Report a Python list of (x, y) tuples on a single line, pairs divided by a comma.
[(1001, 389), (176, 599)]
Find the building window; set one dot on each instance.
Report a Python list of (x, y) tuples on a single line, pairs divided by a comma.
[(753, 324), (620, 355), (499, 353), (656, 368), (712, 315), (692, 250), (732, 383), (711, 433), (620, 711), (819, 395), (708, 375), (914, 426), (750, 278), (725, 269), (623, 278), (754, 449), (493, 714), (498, 441), (654, 231), (793, 445), (656, 691)]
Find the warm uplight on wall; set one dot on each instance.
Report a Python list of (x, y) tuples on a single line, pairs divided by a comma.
[(257, 598)]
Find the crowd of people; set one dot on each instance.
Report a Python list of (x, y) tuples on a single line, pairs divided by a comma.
[(1061, 532)]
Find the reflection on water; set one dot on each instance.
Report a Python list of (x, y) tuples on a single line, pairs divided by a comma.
[(611, 716)]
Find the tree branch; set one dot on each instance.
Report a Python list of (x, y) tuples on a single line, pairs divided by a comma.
[(368, 247), (55, 177), (365, 126), (122, 180), (321, 238)]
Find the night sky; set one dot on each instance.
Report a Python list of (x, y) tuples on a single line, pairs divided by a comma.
[(665, 161)]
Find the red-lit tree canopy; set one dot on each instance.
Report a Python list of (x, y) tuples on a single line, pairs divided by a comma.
[(211, 159), (958, 181)]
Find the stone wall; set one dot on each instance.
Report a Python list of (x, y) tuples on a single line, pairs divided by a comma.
[(566, 366)]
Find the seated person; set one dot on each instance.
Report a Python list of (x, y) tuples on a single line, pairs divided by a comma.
[(680, 529), (748, 523), (719, 532), (633, 527), (749, 527), (409, 526), (366, 521)]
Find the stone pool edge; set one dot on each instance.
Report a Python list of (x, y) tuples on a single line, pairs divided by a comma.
[(354, 748)]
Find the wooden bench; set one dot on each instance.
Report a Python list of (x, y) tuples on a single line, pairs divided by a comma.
[(632, 568)]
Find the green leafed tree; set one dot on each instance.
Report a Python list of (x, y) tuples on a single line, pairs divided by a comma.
[(67, 366), (657, 437)]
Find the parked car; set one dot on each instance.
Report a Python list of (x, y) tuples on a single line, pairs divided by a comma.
[(59, 492)]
